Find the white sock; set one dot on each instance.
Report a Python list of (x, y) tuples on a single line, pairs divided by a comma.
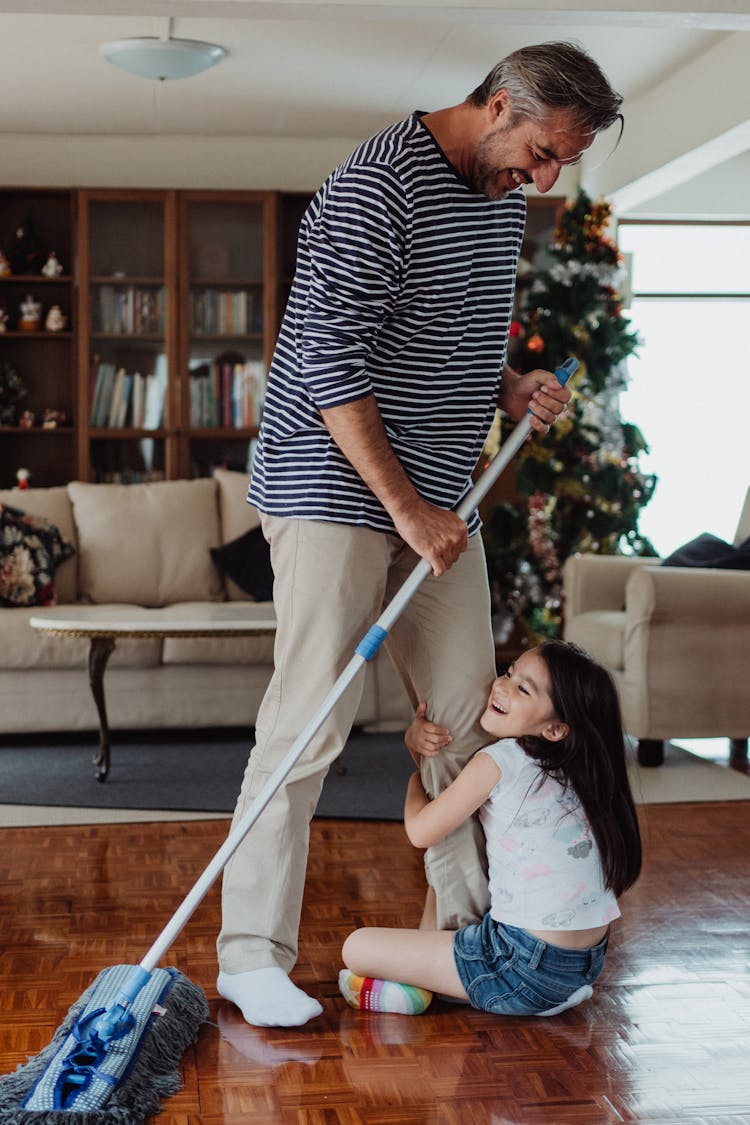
[(267, 998)]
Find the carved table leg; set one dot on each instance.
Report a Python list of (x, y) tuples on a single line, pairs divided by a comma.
[(99, 653), (650, 752), (738, 750)]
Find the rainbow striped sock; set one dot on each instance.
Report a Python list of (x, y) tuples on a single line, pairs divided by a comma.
[(372, 995)]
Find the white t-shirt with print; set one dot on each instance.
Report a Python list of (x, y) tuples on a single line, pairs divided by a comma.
[(544, 865)]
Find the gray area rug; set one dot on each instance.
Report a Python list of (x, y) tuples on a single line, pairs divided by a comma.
[(192, 772), (199, 773)]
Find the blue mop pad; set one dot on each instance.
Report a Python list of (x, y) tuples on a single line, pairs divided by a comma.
[(77, 1080)]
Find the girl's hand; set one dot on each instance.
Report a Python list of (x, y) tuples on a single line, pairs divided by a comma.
[(425, 739)]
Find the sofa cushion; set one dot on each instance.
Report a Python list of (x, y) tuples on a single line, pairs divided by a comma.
[(24, 647), (234, 651), (54, 505), (147, 544), (601, 632), (247, 562), (30, 550), (228, 650), (236, 517)]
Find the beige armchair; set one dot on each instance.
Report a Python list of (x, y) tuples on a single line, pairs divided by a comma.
[(676, 640)]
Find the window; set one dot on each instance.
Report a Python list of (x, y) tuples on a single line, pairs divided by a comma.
[(690, 382)]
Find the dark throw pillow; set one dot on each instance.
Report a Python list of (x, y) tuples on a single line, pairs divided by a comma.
[(30, 549), (247, 561), (710, 551)]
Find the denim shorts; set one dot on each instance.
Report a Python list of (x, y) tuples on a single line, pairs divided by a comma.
[(510, 972)]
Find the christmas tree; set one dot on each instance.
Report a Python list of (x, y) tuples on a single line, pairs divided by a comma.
[(580, 487)]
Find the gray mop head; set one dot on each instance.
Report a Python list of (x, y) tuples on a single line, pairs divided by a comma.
[(126, 1088)]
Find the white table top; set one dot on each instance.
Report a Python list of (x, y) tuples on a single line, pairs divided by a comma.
[(206, 618)]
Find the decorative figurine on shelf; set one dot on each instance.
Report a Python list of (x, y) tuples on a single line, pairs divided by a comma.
[(51, 419), (25, 255), (22, 477), (3, 320), (26, 421), (31, 312), (52, 267), (4, 265), (56, 319), (12, 391)]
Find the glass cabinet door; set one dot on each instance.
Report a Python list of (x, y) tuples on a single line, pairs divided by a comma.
[(224, 266), (128, 256)]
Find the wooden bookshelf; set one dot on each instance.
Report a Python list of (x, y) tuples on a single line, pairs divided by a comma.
[(154, 283), (43, 360)]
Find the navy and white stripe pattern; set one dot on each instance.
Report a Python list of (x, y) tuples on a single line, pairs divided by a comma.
[(404, 289)]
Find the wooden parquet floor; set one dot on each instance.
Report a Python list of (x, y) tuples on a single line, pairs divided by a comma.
[(666, 1037)]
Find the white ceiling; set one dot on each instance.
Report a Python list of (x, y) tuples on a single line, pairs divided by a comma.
[(319, 71)]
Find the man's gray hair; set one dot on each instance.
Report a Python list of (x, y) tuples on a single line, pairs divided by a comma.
[(550, 76)]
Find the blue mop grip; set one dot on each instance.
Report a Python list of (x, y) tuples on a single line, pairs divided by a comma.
[(371, 642), (564, 372)]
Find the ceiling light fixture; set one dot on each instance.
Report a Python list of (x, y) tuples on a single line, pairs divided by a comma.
[(162, 58)]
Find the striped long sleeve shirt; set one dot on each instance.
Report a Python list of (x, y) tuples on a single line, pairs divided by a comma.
[(403, 290)]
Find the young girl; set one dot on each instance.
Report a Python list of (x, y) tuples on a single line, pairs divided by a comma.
[(562, 844)]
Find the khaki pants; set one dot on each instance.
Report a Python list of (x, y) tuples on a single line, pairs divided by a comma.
[(331, 583)]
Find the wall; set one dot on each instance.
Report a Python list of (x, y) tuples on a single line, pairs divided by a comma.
[(169, 161), (721, 193), (254, 163)]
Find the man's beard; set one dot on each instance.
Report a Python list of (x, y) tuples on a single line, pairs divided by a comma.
[(484, 173)]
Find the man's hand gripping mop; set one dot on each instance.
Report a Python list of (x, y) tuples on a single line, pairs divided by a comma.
[(117, 1050)]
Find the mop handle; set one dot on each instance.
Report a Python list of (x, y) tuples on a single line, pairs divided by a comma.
[(365, 651)]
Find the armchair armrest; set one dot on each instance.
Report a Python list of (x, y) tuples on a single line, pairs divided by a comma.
[(687, 653), (676, 595), (595, 582)]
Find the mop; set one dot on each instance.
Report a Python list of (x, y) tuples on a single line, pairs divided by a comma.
[(117, 1051)]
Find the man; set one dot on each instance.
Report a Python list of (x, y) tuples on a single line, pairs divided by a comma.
[(387, 372)]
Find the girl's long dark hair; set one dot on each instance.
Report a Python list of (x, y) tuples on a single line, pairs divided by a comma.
[(591, 757)]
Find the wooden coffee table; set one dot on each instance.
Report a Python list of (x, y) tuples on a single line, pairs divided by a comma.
[(105, 625)]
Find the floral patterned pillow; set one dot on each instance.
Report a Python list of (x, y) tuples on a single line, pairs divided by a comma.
[(30, 549)]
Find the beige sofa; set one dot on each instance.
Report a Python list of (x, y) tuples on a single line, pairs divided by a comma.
[(149, 545), (676, 640)]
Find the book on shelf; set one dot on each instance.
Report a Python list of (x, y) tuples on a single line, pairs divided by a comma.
[(226, 394), (130, 310), (104, 386), (138, 400), (155, 394), (118, 384), (225, 312), (128, 398)]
